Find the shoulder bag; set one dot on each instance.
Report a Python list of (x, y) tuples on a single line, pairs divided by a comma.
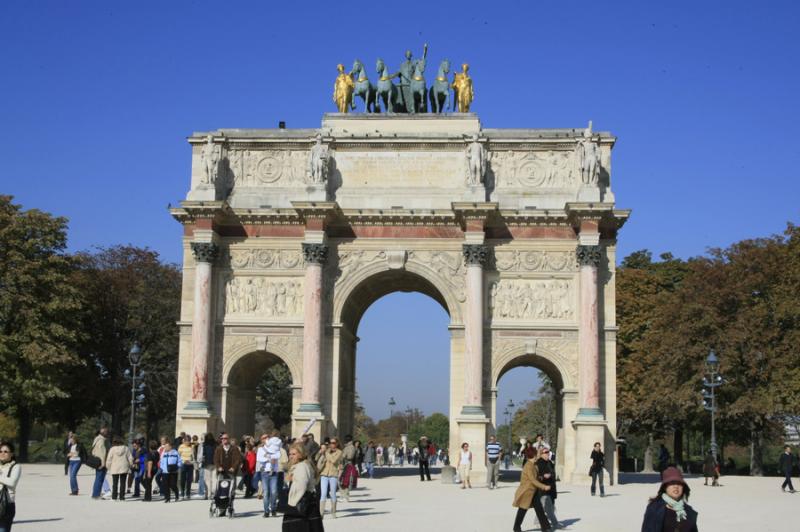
[(5, 498)]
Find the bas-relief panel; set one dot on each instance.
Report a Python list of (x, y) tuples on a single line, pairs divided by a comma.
[(546, 169), (249, 168), (535, 261), (263, 297), (448, 264), (262, 259), (563, 352), (515, 299)]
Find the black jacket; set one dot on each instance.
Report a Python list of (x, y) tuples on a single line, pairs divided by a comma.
[(654, 516), (543, 467), (786, 462), (598, 459)]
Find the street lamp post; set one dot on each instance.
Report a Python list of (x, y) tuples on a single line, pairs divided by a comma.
[(510, 421), (134, 357), (712, 381), (408, 418), (391, 407)]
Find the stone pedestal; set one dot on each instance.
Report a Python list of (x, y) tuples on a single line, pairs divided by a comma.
[(300, 422), (589, 194), (316, 192), (587, 432), (448, 474), (472, 429), (476, 193)]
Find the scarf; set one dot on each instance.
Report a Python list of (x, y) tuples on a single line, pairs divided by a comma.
[(675, 506)]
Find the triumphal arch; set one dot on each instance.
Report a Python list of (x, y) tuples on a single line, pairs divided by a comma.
[(291, 234)]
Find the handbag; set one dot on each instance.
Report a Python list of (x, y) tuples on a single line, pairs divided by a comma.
[(5, 498), (305, 503), (93, 461)]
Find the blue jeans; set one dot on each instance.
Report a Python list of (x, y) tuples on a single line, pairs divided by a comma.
[(99, 479), (270, 486), (74, 465), (201, 482), (370, 469), (328, 483)]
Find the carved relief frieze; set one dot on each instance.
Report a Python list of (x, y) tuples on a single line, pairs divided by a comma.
[(263, 297), (563, 353), (514, 299), (448, 264), (259, 258), (249, 168), (535, 261), (546, 169), (350, 261)]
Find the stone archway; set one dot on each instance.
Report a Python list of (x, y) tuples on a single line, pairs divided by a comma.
[(238, 394), (524, 252), (358, 294), (545, 356)]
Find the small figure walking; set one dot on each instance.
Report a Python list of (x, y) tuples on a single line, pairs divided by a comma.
[(711, 469), (786, 464), (596, 471)]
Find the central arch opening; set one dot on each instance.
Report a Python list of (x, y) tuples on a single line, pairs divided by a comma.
[(396, 354)]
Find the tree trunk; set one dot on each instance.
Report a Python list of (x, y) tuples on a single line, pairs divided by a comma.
[(677, 446), (23, 432), (756, 453)]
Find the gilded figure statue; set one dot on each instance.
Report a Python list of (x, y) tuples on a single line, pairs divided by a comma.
[(343, 90), (462, 89)]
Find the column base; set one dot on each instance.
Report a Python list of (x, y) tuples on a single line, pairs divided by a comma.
[(302, 423), (590, 413), (472, 410), (197, 406), (195, 418), (472, 429), (310, 408), (587, 432)]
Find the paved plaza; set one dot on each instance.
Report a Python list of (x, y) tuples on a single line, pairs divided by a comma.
[(400, 502)]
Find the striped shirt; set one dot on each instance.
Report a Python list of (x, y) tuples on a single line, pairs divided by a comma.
[(493, 450)]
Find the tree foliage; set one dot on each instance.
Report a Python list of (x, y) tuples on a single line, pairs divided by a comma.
[(38, 305), (738, 301), (131, 296), (274, 395)]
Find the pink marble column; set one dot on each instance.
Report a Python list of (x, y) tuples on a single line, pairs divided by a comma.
[(475, 256), (588, 337), (204, 255), (315, 256)]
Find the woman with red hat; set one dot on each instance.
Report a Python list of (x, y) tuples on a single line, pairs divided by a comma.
[(669, 510)]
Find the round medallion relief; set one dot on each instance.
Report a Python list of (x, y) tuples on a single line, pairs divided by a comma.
[(269, 169), (531, 172)]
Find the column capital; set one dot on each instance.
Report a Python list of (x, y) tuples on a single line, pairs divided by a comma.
[(475, 254), (589, 255), (315, 253), (205, 251)]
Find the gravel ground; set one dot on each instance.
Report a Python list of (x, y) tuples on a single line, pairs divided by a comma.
[(398, 501)]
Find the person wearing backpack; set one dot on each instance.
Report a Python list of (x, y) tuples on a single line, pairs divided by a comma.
[(9, 478)]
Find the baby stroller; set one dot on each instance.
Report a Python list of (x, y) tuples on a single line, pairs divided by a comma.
[(222, 502)]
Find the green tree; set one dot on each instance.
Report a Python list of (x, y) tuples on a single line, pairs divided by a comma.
[(131, 297), (274, 395), (38, 305)]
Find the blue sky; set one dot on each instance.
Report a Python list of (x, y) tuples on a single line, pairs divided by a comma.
[(98, 97)]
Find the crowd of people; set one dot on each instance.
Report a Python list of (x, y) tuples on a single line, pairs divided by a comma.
[(305, 480)]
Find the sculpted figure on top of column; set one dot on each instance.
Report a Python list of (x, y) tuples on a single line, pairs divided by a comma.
[(318, 161), (588, 154), (211, 155), (476, 161)]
